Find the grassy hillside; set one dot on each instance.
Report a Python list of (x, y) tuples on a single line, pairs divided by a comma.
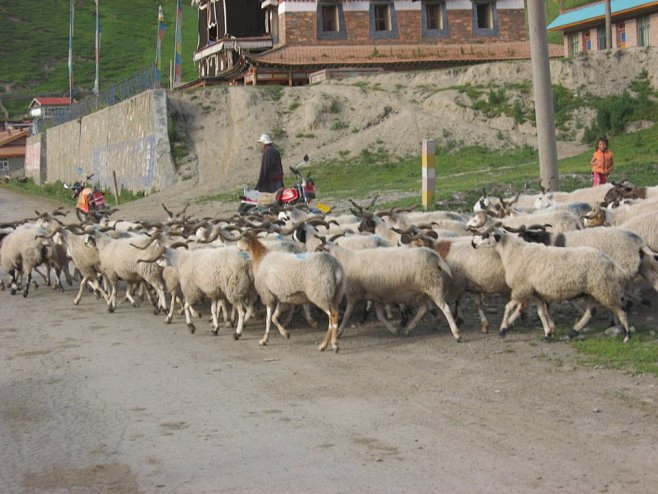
[(34, 44)]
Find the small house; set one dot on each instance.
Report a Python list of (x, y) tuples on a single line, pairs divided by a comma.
[(634, 24), (12, 151)]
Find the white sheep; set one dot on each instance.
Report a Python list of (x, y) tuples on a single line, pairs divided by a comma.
[(119, 260), (476, 271), (391, 275), (282, 278), (21, 251), (543, 274), (220, 274)]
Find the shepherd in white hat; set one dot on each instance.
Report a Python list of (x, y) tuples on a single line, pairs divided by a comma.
[(271, 170)]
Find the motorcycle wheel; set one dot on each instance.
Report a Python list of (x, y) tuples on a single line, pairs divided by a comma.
[(244, 208), (85, 217)]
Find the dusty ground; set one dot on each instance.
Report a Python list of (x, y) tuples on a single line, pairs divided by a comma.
[(123, 403)]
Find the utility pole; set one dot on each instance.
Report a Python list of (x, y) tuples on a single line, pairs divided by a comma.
[(608, 25), (543, 93), (98, 54)]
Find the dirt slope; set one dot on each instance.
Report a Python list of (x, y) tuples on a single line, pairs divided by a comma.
[(340, 119)]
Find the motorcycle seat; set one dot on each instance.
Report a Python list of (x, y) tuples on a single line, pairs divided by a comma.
[(267, 198)]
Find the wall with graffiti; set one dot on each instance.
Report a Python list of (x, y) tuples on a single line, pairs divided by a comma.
[(128, 139)]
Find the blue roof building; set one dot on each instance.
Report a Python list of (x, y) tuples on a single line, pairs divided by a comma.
[(634, 23)]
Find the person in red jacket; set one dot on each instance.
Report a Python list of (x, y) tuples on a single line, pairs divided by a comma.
[(601, 162), (270, 178)]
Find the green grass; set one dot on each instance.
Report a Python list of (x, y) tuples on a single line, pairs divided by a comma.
[(34, 46), (639, 355), (57, 192)]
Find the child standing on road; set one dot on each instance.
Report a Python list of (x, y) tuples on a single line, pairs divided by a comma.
[(601, 162)]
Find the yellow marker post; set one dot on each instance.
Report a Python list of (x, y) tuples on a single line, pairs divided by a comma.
[(429, 173)]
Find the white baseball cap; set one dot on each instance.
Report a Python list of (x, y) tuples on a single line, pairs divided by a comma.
[(265, 139)]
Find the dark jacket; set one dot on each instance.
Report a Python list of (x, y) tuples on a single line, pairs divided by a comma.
[(271, 170)]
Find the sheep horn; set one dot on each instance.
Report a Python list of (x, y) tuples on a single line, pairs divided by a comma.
[(169, 213)]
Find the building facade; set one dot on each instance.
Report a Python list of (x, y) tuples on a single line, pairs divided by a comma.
[(634, 24), (233, 33), (12, 152)]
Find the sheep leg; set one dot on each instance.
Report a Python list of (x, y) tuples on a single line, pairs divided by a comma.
[(222, 304), (309, 316), (112, 300), (46, 277), (241, 317), (215, 307), (505, 324), (380, 315), (332, 331), (172, 306), (422, 309), (268, 324), (275, 320), (445, 308), (582, 322), (484, 323), (621, 314), (27, 286), (188, 318), (346, 317), (546, 320), (129, 295), (77, 298)]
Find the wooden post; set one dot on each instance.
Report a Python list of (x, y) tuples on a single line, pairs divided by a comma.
[(429, 163), (116, 187)]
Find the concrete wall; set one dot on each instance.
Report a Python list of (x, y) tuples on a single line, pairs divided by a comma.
[(129, 138), (35, 158)]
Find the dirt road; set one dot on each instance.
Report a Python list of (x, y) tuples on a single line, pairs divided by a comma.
[(123, 403)]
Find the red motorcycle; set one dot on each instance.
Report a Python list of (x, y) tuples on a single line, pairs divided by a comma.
[(302, 192), (90, 201)]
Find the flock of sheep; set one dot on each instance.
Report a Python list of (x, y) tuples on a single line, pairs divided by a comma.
[(529, 249)]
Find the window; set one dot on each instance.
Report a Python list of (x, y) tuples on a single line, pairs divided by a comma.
[(600, 34), (383, 20), (621, 35), (574, 45), (485, 21), (643, 31), (382, 17), (329, 17), (434, 18), (330, 21), (4, 165)]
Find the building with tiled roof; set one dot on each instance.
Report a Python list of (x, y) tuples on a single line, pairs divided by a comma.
[(283, 41), (634, 23), (44, 106), (12, 151)]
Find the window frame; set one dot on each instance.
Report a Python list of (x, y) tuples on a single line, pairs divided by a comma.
[(643, 31), (443, 12), (341, 32), (573, 44), (4, 164), (391, 33), (600, 39), (494, 30)]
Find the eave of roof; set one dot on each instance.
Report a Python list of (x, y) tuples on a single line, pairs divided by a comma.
[(596, 12), (12, 151), (378, 55), (8, 137)]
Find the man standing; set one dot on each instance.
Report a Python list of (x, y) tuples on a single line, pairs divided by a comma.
[(271, 170)]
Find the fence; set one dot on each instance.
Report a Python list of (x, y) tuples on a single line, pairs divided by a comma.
[(138, 83)]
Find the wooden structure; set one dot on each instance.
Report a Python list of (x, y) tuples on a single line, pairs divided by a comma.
[(12, 152), (284, 41)]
